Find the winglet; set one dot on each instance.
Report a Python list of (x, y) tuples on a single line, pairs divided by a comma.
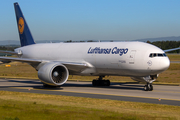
[(24, 32)]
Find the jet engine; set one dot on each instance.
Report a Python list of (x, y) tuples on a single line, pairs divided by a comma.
[(147, 79), (53, 73)]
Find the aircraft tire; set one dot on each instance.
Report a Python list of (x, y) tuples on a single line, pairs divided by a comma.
[(104, 83), (94, 82), (146, 88), (150, 87), (107, 83), (101, 83)]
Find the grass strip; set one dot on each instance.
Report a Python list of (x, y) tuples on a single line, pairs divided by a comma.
[(28, 106)]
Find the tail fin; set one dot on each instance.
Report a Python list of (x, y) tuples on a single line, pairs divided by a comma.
[(24, 32)]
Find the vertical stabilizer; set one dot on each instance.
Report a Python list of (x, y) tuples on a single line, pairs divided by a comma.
[(23, 29)]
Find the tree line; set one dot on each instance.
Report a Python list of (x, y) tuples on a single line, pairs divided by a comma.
[(164, 45), (8, 48)]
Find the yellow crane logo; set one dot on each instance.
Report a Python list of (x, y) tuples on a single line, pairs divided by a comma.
[(21, 25)]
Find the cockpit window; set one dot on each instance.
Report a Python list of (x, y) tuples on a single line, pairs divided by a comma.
[(160, 55), (150, 55), (164, 55), (157, 55)]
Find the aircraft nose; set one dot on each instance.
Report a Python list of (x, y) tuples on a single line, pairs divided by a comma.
[(164, 63)]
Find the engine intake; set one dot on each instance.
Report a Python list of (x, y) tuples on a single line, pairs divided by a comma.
[(53, 73)]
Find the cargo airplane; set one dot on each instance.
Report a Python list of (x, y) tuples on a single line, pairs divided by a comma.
[(56, 61)]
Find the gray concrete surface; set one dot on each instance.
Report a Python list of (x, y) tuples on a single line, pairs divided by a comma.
[(162, 94)]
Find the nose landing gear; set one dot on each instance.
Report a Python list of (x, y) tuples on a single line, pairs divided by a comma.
[(148, 87)]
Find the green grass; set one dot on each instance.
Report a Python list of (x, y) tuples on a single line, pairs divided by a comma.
[(172, 75), (174, 57), (28, 106), (18, 70)]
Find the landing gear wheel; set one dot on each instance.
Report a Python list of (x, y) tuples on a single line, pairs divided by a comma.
[(148, 87), (94, 83), (105, 83), (109, 83), (101, 82)]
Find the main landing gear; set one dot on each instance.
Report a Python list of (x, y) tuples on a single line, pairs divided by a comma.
[(148, 87), (101, 82)]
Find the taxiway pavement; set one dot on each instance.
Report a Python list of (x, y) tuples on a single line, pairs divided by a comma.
[(175, 61), (162, 94)]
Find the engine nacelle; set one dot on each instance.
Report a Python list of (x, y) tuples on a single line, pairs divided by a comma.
[(148, 79), (53, 73)]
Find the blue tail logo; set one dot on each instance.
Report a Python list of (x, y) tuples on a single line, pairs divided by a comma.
[(24, 31)]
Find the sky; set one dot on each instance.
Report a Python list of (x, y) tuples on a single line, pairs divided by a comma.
[(92, 19)]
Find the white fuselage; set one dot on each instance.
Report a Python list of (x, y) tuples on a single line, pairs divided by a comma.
[(106, 58)]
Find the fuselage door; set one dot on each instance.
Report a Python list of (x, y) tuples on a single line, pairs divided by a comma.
[(132, 57)]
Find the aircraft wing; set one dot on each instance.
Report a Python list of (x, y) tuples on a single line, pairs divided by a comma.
[(39, 61), (74, 66), (9, 52), (10, 59), (168, 50)]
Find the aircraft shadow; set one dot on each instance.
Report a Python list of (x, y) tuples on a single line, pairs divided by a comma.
[(39, 85), (26, 81), (131, 86)]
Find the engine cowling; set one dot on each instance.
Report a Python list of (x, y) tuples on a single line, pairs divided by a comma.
[(149, 79), (53, 73)]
